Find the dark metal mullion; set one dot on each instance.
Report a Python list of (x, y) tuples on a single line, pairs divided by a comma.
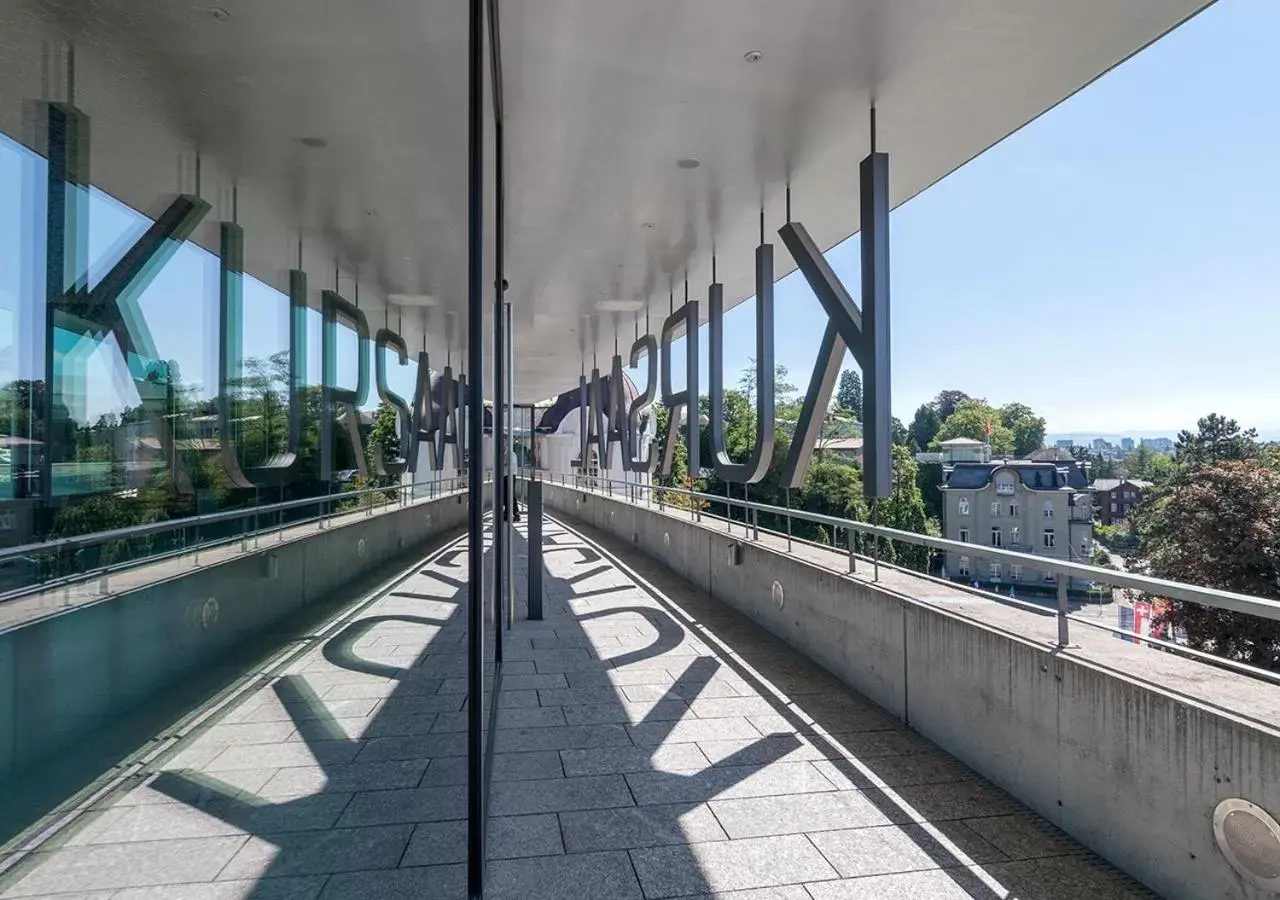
[(502, 502), (475, 464)]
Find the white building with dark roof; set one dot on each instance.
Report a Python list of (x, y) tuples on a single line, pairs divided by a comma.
[(1039, 508)]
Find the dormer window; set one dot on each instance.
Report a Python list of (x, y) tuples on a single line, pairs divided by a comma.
[(1004, 483)]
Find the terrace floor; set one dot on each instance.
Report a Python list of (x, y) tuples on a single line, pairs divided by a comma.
[(650, 743)]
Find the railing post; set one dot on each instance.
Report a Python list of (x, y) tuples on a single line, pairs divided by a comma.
[(1063, 635), (533, 509), (875, 542), (788, 494), (853, 565)]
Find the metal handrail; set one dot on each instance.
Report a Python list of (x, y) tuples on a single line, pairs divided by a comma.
[(440, 488), (97, 537), (1214, 597)]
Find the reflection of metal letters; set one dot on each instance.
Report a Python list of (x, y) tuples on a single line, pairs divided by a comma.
[(648, 346), (755, 467), (230, 346), (422, 426), (336, 400), (581, 461), (110, 307), (446, 427), (685, 401), (383, 341)]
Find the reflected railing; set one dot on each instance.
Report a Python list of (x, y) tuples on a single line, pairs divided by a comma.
[(92, 560), (699, 505)]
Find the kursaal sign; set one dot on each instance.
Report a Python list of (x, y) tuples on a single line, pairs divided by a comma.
[(110, 308)]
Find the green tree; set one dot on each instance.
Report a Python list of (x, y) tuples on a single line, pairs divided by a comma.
[(1216, 439), (679, 466), (831, 489), (899, 434), (1027, 428), (383, 442), (925, 425), (1012, 413), (929, 480), (971, 420), (849, 393), (904, 509), (947, 401), (1160, 467), (783, 389), (1138, 462), (1218, 525)]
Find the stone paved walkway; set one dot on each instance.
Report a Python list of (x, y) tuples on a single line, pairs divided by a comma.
[(651, 743)]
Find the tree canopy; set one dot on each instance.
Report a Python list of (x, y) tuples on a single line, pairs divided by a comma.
[(971, 419), (1027, 428), (947, 401), (925, 425), (1216, 439), (849, 393), (1214, 520)]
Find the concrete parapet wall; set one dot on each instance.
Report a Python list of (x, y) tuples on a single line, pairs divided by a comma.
[(63, 676), (1132, 768)]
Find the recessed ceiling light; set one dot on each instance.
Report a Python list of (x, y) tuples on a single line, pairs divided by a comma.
[(413, 300), (619, 305), (753, 56), (688, 163), (314, 142)]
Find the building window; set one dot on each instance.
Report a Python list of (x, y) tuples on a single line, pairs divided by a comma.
[(1048, 509), (1015, 535), (1050, 578), (995, 537), (964, 566), (1084, 549), (1004, 483), (1125, 510), (1048, 538), (1128, 495), (1113, 507), (995, 571), (1015, 572), (963, 506), (995, 509), (964, 535), (1013, 509)]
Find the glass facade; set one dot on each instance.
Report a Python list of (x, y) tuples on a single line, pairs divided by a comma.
[(145, 378)]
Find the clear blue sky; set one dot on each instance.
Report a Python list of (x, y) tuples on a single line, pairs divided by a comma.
[(1115, 264)]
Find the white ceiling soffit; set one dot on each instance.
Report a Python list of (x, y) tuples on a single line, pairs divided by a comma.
[(603, 100)]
